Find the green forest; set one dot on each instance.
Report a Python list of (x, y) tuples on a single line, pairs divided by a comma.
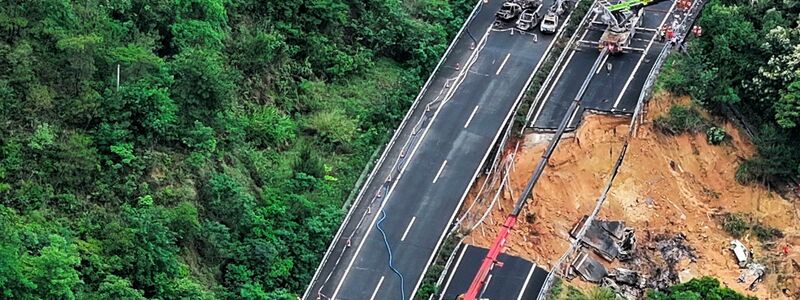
[(746, 65), (195, 149)]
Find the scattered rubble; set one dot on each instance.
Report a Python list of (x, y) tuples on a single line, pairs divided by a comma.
[(752, 275), (668, 184), (588, 268), (610, 239)]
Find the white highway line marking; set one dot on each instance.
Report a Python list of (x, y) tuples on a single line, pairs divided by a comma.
[(574, 113), (527, 280), (455, 267), (408, 229), (641, 59), (505, 60), (391, 189), (377, 288), (471, 115), (488, 280), (555, 81), (440, 171), (602, 64), (477, 170)]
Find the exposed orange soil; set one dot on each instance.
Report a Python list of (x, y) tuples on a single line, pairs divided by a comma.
[(667, 184)]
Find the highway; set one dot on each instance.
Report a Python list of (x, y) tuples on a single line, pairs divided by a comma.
[(615, 91), (409, 203), (517, 279)]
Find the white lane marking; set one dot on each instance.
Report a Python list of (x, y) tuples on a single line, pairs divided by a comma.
[(505, 60), (486, 286), (641, 59), (555, 81), (602, 64), (471, 115), (377, 288), (408, 229), (440, 171), (455, 268), (527, 280), (478, 169), (391, 189), (574, 113)]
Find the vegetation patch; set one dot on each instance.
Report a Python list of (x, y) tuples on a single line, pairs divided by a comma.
[(698, 288), (743, 67), (680, 119)]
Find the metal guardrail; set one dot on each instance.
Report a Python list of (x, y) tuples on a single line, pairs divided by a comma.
[(643, 96), (391, 143), (506, 135), (556, 65)]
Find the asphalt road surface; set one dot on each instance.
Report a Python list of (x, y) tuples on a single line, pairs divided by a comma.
[(429, 168), (615, 90), (517, 279)]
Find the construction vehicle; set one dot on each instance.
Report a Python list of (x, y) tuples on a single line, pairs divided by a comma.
[(513, 8), (618, 37), (528, 19), (622, 19)]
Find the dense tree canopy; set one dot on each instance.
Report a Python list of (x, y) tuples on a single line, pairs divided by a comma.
[(217, 168), (749, 59)]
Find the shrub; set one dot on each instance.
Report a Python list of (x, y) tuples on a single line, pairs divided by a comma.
[(765, 233), (716, 135), (735, 224), (679, 119)]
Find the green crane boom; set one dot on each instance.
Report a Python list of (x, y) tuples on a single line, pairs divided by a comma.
[(627, 5)]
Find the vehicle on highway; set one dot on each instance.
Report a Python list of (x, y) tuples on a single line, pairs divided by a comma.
[(617, 37), (513, 8), (509, 11), (528, 19), (549, 22)]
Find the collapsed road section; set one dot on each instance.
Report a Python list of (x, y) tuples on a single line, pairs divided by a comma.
[(407, 204), (616, 85)]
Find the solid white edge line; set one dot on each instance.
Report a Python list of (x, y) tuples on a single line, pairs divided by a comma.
[(555, 81), (527, 280), (486, 286), (602, 64), (453, 273), (641, 59), (440, 171), (391, 189), (377, 288), (410, 111), (471, 115), (505, 60), (405, 233), (483, 160)]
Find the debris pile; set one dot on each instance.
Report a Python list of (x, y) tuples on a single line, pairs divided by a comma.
[(609, 239)]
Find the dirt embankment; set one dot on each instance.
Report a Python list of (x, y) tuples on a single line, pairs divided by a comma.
[(667, 185)]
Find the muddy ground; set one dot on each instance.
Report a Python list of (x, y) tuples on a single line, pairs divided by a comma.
[(667, 185)]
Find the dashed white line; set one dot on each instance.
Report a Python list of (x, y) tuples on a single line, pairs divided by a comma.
[(377, 288), (641, 59), (440, 171), (471, 115), (408, 229), (602, 64), (527, 280), (505, 60), (553, 84)]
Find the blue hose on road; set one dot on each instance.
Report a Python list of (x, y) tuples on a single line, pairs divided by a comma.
[(389, 249)]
